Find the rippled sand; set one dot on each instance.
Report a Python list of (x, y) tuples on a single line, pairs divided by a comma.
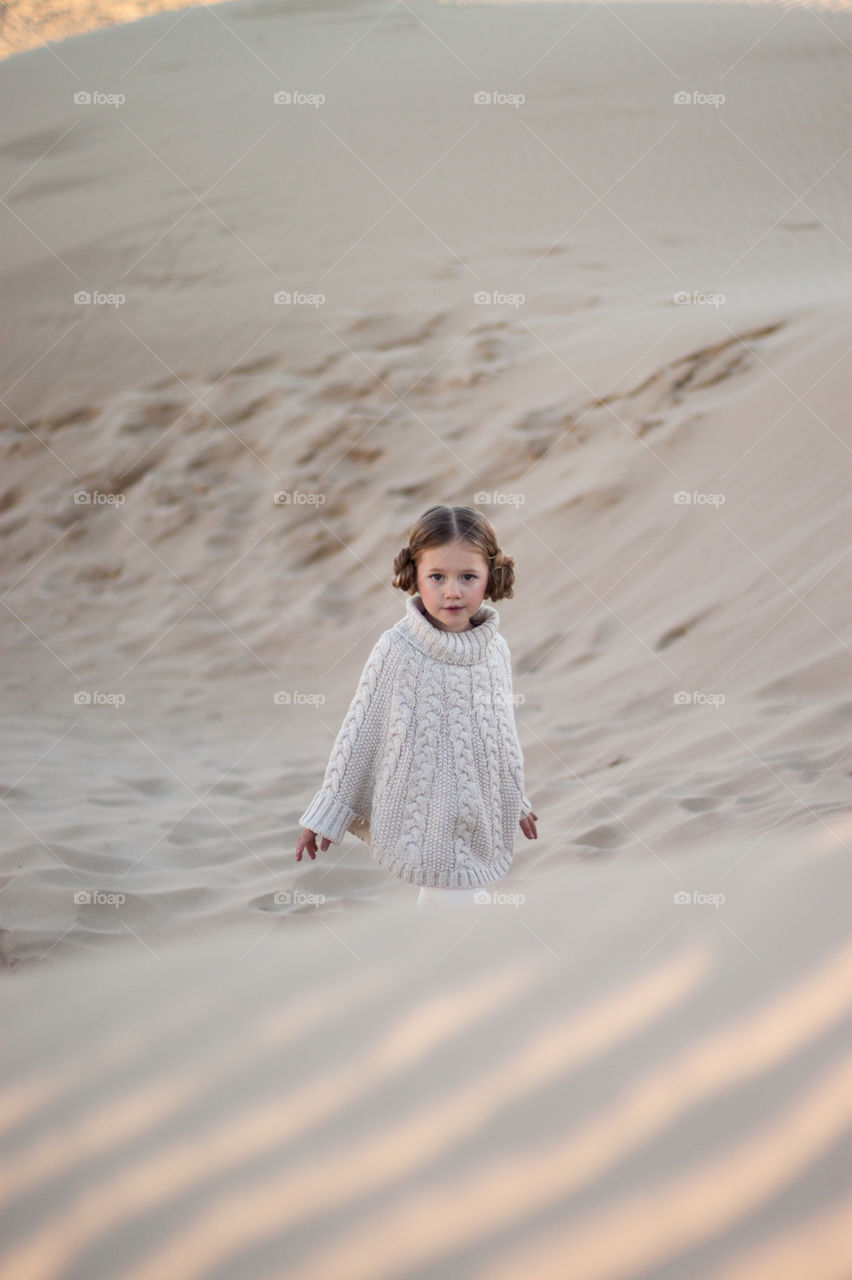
[(223, 1063)]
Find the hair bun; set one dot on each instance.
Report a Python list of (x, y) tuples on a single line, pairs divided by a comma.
[(405, 570)]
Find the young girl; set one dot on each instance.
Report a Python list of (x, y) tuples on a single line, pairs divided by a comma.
[(427, 768)]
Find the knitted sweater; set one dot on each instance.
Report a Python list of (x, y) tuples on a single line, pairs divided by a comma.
[(427, 767)]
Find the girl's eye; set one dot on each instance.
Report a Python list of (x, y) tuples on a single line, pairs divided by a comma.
[(440, 575)]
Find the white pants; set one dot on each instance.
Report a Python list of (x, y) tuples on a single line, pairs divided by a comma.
[(431, 895)]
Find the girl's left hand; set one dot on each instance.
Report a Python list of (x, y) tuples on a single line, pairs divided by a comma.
[(528, 826)]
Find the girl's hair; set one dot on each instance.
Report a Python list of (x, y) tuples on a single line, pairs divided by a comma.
[(440, 525)]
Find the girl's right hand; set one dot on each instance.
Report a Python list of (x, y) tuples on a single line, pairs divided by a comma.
[(308, 840)]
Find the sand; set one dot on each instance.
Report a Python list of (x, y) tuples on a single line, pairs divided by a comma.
[(29, 24), (653, 410), (597, 1081)]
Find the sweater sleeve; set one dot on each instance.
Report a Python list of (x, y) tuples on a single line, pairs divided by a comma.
[(526, 807), (347, 788)]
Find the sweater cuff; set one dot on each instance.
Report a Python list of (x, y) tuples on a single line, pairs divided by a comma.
[(526, 807), (328, 816)]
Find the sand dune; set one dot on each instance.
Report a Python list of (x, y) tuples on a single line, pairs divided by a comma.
[(223, 1063), (29, 24), (182, 587), (601, 1078)]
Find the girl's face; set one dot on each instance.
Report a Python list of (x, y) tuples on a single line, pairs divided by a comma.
[(452, 580)]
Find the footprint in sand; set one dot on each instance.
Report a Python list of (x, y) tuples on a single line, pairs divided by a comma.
[(605, 836), (697, 804), (155, 785)]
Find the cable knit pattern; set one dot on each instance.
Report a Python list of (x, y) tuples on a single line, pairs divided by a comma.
[(427, 768), (513, 747), (489, 730), (400, 731), (461, 744), (421, 786)]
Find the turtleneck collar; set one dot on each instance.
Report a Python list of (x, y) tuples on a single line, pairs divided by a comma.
[(462, 648)]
